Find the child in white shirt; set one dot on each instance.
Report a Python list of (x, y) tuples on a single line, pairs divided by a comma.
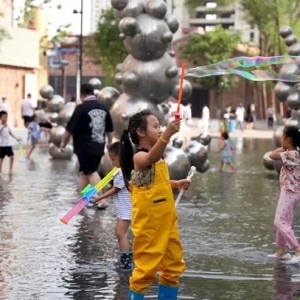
[(5, 144)]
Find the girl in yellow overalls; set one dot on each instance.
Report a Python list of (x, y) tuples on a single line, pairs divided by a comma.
[(156, 244)]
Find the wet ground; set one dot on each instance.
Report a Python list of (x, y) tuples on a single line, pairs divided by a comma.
[(226, 226)]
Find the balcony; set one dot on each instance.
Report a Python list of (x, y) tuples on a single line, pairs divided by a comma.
[(211, 22), (218, 9)]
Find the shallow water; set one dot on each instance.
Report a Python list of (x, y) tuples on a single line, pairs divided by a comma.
[(226, 224)]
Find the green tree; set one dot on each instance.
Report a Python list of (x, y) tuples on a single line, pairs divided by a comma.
[(3, 32), (209, 48), (269, 16), (104, 46)]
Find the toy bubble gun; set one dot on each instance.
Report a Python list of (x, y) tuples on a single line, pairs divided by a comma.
[(87, 196), (177, 113), (189, 177)]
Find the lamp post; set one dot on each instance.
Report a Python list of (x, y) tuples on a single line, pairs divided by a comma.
[(79, 65)]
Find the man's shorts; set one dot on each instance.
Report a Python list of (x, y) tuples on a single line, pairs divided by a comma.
[(27, 120), (6, 151), (88, 164)]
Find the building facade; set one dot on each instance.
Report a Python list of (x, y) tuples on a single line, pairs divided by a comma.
[(96, 10), (19, 63), (208, 15)]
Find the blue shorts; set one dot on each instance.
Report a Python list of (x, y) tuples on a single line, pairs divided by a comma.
[(226, 159)]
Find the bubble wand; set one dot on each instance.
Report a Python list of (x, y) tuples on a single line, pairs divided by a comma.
[(189, 177), (177, 114)]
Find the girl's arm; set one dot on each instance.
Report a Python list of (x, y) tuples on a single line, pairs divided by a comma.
[(109, 193), (275, 155)]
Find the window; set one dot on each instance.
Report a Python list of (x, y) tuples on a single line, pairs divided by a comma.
[(251, 36)]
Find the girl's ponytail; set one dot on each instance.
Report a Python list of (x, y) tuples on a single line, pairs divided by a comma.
[(126, 157)]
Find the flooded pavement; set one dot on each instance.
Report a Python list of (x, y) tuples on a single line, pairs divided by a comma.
[(226, 224)]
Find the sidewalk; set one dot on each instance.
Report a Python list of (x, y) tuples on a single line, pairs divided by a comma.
[(260, 130), (194, 129)]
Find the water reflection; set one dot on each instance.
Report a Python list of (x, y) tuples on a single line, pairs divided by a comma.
[(284, 287), (226, 224)]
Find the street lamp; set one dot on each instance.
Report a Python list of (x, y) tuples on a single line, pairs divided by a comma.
[(79, 69)]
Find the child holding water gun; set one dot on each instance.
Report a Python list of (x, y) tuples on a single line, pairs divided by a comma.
[(122, 208), (156, 244), (289, 195), (5, 143), (226, 152), (34, 133)]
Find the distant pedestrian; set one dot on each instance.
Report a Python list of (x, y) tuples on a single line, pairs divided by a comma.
[(27, 110), (271, 115), (4, 105), (240, 117)]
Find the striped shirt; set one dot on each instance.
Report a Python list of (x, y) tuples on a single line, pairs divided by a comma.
[(122, 202)]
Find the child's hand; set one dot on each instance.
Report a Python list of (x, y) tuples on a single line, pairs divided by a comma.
[(172, 128), (183, 184), (96, 199)]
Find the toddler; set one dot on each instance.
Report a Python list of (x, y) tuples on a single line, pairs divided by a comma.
[(226, 152), (122, 208)]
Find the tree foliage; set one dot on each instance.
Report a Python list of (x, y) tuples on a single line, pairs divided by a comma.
[(269, 16), (209, 48), (3, 32), (104, 46)]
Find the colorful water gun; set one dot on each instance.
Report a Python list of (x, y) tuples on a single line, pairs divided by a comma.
[(177, 114), (87, 196), (189, 177), (21, 151)]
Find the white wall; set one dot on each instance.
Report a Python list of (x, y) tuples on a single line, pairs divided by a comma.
[(6, 13), (21, 49), (181, 14)]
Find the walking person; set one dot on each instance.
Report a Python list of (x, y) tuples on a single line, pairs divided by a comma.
[(89, 126), (271, 115), (289, 195), (27, 110), (226, 151), (240, 117), (4, 105), (187, 113), (205, 119), (249, 117), (5, 143)]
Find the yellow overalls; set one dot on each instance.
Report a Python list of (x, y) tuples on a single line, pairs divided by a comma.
[(156, 244)]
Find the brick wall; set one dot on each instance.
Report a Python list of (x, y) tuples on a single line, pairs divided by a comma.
[(12, 85), (88, 68)]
